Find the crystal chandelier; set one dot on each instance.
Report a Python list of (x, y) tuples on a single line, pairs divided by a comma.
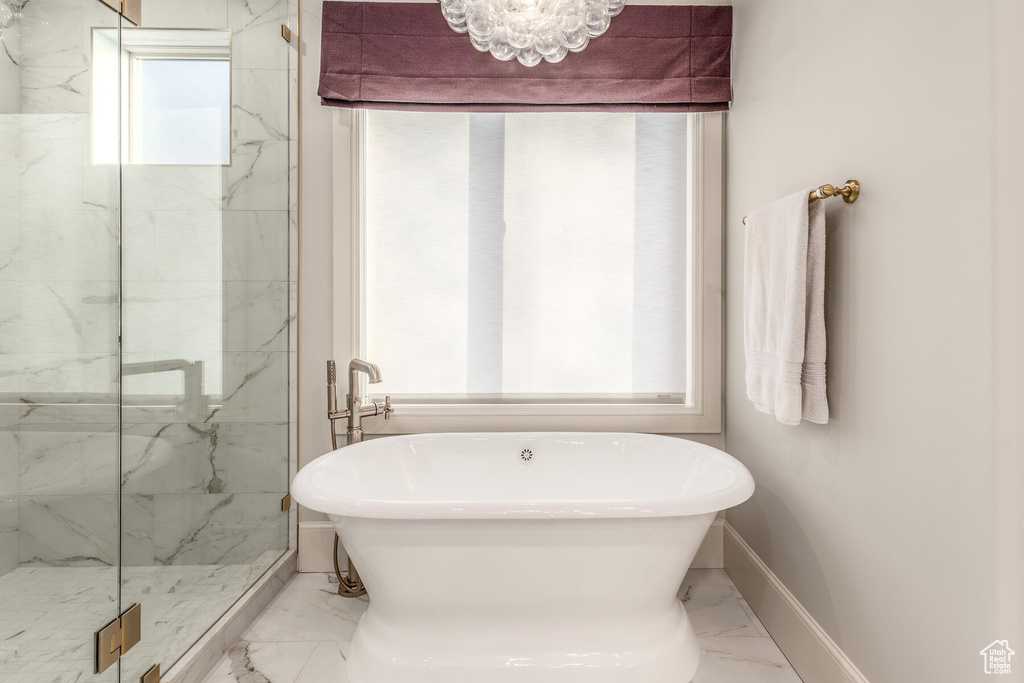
[(530, 30)]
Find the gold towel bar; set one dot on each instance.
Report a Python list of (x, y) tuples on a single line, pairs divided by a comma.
[(849, 192)]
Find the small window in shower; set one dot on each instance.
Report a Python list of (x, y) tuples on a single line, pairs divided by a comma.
[(175, 97), (180, 111)]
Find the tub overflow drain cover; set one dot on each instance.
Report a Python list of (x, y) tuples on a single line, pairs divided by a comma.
[(526, 455)]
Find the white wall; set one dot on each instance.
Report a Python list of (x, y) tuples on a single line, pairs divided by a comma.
[(898, 524), (316, 204)]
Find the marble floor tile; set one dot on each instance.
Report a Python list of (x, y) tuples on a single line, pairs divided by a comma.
[(326, 665), (706, 577), (277, 662), (309, 609), (746, 660), (761, 630), (304, 635), (715, 611), (48, 615)]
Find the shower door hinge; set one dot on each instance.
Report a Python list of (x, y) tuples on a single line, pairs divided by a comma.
[(129, 9), (286, 503), (132, 11), (117, 637), (286, 33), (151, 676)]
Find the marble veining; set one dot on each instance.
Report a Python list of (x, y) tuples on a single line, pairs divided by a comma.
[(10, 30), (303, 636), (255, 180), (260, 106), (256, 246), (61, 44), (216, 528), (68, 531), (210, 457), (194, 493), (8, 532), (48, 614), (256, 30), (207, 270)]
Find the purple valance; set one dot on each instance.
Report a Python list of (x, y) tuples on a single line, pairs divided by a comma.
[(399, 55)]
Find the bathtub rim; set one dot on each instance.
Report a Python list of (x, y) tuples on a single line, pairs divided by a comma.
[(314, 498)]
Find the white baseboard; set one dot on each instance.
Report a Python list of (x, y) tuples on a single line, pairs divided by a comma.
[(813, 654), (316, 544), (709, 555)]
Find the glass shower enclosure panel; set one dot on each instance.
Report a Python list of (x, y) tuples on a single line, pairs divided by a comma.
[(59, 365), (146, 209), (205, 319)]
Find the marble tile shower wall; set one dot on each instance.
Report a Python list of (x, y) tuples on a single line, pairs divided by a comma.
[(58, 274), (10, 95), (206, 276)]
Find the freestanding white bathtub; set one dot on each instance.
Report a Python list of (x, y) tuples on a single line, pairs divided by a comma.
[(523, 557)]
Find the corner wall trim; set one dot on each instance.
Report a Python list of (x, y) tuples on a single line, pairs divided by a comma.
[(813, 654)]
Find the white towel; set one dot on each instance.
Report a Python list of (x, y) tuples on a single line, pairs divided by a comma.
[(784, 309)]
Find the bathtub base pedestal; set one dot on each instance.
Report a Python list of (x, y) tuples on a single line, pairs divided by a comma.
[(523, 600), (663, 650)]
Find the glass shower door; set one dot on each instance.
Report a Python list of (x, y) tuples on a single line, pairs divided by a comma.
[(59, 365), (145, 214), (205, 319)]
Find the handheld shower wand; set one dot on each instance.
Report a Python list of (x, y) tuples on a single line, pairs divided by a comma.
[(332, 398)]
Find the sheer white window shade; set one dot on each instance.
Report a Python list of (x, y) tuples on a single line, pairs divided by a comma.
[(527, 258)]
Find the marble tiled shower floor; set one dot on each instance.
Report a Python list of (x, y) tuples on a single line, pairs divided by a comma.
[(48, 614), (303, 636)]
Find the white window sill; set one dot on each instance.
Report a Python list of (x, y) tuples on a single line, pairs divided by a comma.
[(654, 419)]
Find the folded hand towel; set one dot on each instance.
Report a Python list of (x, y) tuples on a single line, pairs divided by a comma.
[(784, 309)]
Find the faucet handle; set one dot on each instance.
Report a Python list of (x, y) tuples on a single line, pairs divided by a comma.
[(387, 408)]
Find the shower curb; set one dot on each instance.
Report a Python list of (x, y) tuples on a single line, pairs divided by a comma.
[(195, 664)]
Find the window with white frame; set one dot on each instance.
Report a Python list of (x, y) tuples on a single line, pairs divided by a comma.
[(161, 96), (516, 267)]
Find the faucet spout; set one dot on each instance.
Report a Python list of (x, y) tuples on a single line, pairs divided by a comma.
[(354, 402), (358, 365)]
